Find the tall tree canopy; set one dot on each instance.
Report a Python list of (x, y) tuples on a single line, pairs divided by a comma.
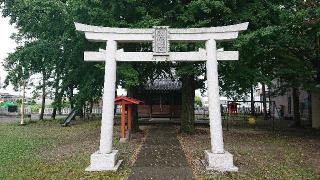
[(282, 43)]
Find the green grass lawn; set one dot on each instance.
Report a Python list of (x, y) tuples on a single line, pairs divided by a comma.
[(259, 154), (45, 150)]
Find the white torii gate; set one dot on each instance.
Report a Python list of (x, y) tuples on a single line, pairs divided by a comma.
[(161, 36)]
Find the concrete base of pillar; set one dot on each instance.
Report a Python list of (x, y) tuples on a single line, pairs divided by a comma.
[(220, 162), (126, 139), (123, 140), (104, 162)]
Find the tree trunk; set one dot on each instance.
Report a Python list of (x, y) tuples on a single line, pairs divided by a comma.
[(296, 109), (187, 106), (71, 97), (252, 101), (82, 111), (22, 102), (57, 98), (91, 107), (57, 105), (60, 111), (264, 101), (54, 113), (317, 46), (135, 119), (310, 107), (132, 92), (43, 103)]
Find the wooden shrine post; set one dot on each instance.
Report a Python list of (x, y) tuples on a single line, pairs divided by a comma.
[(125, 102)]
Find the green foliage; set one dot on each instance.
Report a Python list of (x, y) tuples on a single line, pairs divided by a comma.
[(35, 108), (7, 104), (197, 101), (269, 50), (128, 73), (205, 13)]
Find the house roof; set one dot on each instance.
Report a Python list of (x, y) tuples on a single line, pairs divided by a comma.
[(163, 84), (127, 100)]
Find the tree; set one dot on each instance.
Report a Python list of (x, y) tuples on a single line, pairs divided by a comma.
[(19, 74), (298, 56), (40, 25), (201, 13), (269, 50)]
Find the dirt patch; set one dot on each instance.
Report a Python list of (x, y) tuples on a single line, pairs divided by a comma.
[(258, 154), (73, 150), (79, 143)]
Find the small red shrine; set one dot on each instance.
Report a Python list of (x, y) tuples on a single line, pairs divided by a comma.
[(233, 108), (125, 102)]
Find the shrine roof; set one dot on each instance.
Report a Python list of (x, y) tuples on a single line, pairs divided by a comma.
[(127, 99), (163, 84)]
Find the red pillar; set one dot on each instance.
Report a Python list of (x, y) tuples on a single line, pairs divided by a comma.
[(129, 117), (123, 118)]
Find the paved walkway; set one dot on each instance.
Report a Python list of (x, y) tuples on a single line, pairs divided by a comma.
[(161, 157)]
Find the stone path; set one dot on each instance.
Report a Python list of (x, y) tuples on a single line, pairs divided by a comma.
[(161, 157)]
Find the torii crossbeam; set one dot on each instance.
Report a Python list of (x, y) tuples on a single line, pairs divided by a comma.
[(161, 37)]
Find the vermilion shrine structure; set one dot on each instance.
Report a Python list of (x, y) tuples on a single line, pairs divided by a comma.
[(161, 37), (125, 102)]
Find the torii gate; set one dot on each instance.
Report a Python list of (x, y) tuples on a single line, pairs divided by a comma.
[(161, 36)]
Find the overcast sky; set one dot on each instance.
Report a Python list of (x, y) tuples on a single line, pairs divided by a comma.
[(7, 45)]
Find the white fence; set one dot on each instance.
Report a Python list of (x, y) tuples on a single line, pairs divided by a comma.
[(97, 111), (47, 111), (66, 111), (5, 111), (201, 111), (27, 110)]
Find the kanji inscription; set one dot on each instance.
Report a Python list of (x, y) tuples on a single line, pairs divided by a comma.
[(161, 42)]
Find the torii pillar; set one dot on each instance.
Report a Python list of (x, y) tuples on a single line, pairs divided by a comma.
[(106, 158), (217, 158)]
